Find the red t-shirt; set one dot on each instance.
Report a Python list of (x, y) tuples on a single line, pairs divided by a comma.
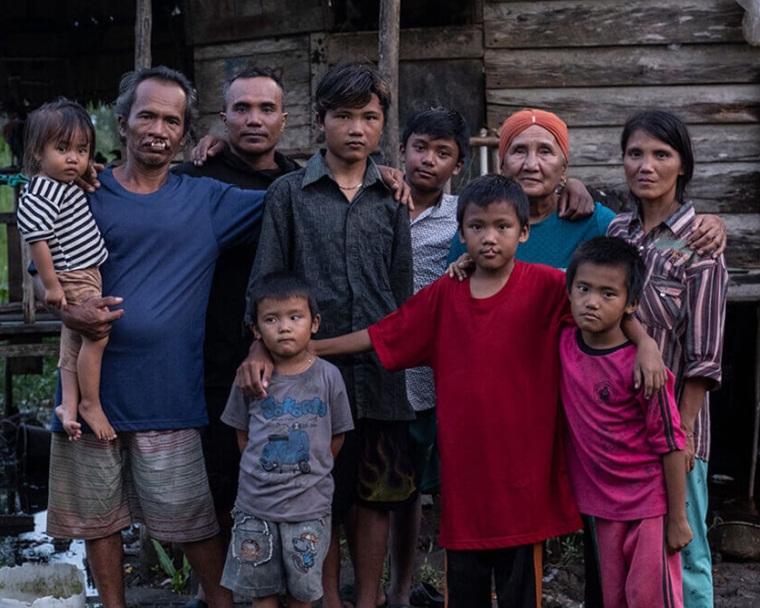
[(496, 361)]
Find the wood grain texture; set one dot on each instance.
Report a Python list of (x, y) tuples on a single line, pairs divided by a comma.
[(587, 23), (415, 44), (622, 66), (578, 106)]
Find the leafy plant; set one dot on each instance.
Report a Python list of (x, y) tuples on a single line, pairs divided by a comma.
[(179, 577)]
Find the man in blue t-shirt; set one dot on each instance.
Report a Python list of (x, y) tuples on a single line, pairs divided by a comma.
[(164, 233)]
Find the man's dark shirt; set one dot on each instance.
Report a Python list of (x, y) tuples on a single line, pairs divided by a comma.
[(357, 257), (227, 341)]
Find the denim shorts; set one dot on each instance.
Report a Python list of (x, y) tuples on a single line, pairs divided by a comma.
[(266, 558)]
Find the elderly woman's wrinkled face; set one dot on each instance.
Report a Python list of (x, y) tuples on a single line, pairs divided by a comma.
[(535, 160)]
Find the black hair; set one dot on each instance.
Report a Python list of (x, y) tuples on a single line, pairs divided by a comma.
[(54, 121), (611, 251), (488, 189), (131, 80), (280, 285), (350, 85), (438, 123), (252, 72), (668, 128)]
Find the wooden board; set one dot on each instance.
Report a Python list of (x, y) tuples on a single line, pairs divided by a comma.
[(251, 47), (611, 106), (622, 66), (415, 44), (210, 21), (587, 23)]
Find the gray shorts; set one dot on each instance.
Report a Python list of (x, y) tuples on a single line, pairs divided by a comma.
[(266, 558)]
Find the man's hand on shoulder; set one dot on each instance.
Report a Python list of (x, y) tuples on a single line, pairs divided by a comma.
[(394, 179), (208, 147), (253, 375), (89, 181), (92, 318)]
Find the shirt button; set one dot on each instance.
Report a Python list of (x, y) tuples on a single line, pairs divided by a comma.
[(641, 247), (662, 295)]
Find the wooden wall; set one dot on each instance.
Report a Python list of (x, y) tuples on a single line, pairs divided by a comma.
[(595, 62)]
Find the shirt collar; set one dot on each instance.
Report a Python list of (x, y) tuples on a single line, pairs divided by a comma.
[(677, 222), (446, 206), (317, 169)]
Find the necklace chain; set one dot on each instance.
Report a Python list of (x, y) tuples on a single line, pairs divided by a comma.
[(349, 187)]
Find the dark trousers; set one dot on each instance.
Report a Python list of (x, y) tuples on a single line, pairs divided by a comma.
[(592, 594), (516, 572)]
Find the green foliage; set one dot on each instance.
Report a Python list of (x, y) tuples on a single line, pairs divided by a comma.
[(106, 130), (564, 550), (179, 577)]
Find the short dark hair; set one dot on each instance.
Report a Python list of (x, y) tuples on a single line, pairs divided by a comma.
[(131, 80), (252, 72), (439, 123), (54, 121), (350, 85), (611, 251), (280, 285), (488, 189), (670, 129)]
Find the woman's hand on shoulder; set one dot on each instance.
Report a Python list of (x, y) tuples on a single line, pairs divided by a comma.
[(575, 203)]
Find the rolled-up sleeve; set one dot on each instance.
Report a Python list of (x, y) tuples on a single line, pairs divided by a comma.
[(706, 289)]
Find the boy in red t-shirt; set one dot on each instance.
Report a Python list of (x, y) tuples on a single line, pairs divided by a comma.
[(492, 342)]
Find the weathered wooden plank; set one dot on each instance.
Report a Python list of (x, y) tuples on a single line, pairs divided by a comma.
[(611, 106), (715, 188), (743, 247), (210, 21), (27, 350), (251, 47), (613, 66), (712, 143), (458, 42), (211, 75), (582, 23)]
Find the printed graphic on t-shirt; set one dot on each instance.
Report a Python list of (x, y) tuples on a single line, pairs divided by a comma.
[(288, 449)]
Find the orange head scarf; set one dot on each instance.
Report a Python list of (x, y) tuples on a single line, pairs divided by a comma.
[(519, 121)]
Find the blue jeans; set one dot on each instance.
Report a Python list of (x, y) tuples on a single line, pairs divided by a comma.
[(696, 561)]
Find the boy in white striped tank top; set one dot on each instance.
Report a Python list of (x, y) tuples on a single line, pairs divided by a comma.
[(67, 248)]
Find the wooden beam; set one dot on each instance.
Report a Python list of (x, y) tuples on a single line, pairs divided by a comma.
[(27, 350), (622, 66), (417, 44), (583, 23), (143, 28), (579, 106), (388, 43)]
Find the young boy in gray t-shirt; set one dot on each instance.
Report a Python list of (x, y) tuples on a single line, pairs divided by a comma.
[(288, 442)]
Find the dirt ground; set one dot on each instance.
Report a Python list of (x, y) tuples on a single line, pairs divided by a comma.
[(737, 583)]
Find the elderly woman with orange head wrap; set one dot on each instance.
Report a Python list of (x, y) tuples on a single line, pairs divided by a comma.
[(534, 151)]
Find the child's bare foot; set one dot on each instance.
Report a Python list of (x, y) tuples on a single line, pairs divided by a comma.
[(67, 414), (93, 414)]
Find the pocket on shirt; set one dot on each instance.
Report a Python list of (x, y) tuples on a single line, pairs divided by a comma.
[(664, 306)]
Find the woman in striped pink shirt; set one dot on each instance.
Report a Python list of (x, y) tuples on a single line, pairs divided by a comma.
[(682, 307)]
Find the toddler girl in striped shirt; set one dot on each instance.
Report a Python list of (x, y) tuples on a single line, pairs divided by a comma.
[(67, 248)]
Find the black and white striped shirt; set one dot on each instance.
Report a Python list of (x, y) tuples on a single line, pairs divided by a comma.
[(59, 214)]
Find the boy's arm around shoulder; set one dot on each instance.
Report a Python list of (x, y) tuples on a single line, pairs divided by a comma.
[(665, 436), (649, 370)]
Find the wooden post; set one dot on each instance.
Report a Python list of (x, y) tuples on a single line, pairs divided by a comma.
[(143, 26), (388, 41)]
